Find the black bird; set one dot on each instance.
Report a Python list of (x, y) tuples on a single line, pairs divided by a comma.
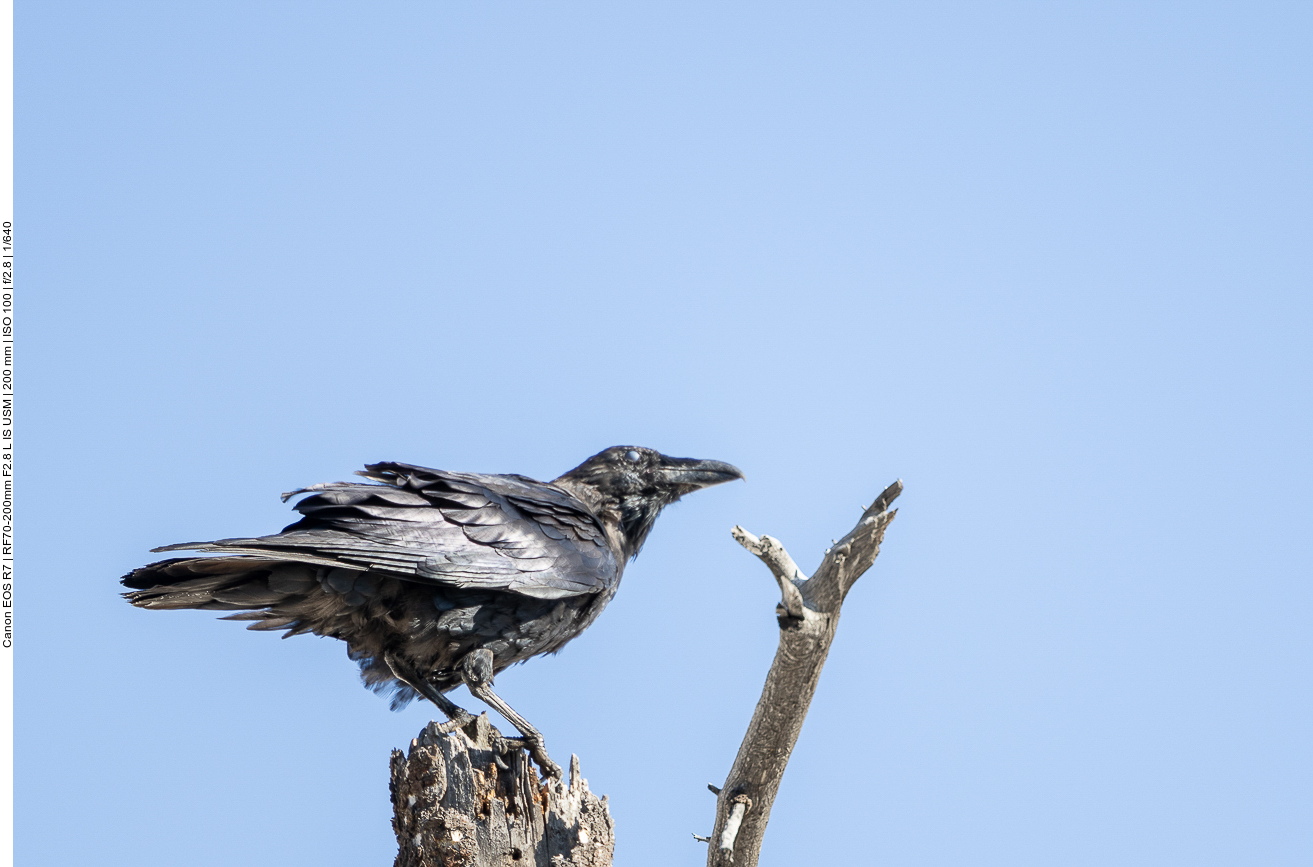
[(435, 578)]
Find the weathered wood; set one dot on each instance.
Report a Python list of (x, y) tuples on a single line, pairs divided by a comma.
[(808, 617), (454, 807)]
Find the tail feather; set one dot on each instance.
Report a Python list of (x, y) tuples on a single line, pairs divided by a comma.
[(248, 585), (285, 594), (264, 620), (249, 595), (184, 569)]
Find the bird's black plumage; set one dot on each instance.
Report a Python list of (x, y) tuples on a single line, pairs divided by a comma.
[(424, 572)]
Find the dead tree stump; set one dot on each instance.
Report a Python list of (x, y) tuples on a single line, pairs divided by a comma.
[(454, 807)]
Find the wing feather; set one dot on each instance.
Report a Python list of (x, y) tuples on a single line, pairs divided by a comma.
[(461, 529)]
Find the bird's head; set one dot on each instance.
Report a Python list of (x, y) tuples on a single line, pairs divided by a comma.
[(635, 484)]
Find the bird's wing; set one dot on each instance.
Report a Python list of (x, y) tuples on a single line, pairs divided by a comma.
[(461, 529)]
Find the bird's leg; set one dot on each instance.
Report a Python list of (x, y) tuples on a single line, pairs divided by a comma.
[(457, 717), (476, 670)]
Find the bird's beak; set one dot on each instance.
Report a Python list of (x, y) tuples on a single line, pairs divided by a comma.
[(693, 473)]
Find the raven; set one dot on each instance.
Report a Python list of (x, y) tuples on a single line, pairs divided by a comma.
[(435, 578)]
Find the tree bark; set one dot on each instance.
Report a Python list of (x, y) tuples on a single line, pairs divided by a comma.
[(808, 617), (454, 807)]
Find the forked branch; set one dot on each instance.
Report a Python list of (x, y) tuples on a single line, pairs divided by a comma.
[(808, 617)]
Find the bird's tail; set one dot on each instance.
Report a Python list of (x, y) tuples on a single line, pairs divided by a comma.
[(280, 594), (273, 593)]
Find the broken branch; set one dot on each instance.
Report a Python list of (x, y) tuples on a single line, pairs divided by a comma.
[(744, 802)]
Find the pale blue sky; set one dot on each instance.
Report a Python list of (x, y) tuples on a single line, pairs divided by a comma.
[(1049, 263)]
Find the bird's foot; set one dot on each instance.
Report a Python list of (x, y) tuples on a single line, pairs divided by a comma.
[(503, 746), (458, 721)]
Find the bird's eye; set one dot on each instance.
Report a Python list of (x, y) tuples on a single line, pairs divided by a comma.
[(632, 455)]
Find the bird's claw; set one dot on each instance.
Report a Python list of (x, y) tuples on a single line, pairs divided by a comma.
[(503, 746), (456, 722), (544, 761)]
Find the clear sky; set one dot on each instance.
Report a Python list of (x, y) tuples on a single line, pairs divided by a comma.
[(1049, 263)]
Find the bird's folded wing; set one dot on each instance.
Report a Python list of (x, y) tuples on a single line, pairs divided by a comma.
[(461, 529)]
